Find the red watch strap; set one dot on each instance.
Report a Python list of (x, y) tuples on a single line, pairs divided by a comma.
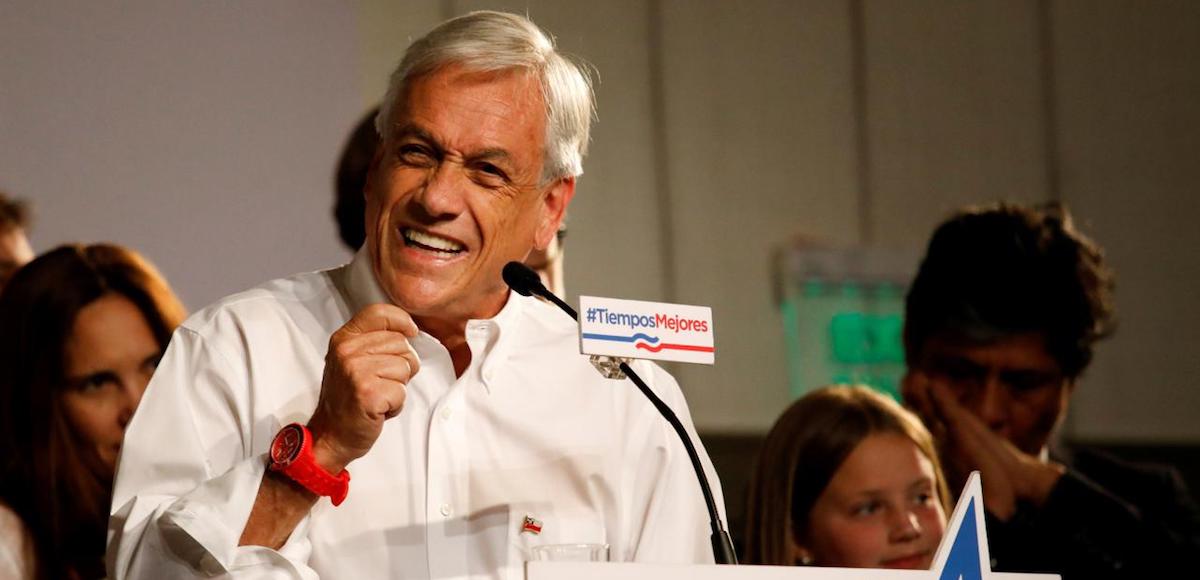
[(304, 470)]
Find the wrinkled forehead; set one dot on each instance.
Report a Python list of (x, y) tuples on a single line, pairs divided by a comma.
[(454, 89)]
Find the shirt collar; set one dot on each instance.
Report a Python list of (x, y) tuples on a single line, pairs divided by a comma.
[(361, 288), (493, 338), (490, 338)]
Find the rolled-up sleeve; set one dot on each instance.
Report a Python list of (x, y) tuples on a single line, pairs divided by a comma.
[(189, 475)]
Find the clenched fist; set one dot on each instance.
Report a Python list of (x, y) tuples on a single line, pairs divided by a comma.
[(367, 370)]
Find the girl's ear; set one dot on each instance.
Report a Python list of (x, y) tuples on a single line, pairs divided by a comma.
[(800, 555)]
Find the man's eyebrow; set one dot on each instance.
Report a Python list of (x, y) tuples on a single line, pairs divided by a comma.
[(411, 130), (491, 153), (957, 360)]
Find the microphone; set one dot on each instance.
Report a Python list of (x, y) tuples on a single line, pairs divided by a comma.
[(526, 282)]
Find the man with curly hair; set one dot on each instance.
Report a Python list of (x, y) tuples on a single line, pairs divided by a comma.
[(1000, 325)]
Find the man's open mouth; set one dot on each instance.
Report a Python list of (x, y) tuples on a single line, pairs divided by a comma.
[(430, 242)]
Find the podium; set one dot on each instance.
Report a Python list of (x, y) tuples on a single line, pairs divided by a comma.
[(633, 571), (961, 555)]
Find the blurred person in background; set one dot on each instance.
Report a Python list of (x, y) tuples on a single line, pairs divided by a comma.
[(349, 205), (548, 263), (849, 478), (14, 245), (84, 327), (1000, 324), (350, 180)]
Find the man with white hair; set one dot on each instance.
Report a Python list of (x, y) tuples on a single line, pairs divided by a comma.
[(474, 429)]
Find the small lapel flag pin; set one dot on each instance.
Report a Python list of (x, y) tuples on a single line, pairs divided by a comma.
[(531, 525)]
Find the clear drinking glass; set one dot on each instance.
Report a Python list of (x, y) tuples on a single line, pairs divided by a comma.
[(570, 553)]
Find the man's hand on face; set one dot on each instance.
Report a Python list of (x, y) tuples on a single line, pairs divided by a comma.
[(367, 370), (966, 444)]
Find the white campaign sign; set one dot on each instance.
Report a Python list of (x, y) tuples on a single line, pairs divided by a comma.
[(651, 330), (962, 555)]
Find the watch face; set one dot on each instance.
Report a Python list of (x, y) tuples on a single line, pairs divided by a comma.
[(286, 445)]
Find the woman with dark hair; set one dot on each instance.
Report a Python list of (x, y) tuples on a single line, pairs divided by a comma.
[(81, 330), (848, 478)]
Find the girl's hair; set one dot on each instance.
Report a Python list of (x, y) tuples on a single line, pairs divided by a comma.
[(52, 480), (802, 452)]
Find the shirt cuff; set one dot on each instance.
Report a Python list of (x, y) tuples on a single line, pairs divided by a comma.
[(203, 528)]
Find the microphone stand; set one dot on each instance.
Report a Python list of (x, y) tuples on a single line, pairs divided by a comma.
[(722, 545), (526, 282)]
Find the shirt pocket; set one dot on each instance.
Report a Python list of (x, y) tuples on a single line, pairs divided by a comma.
[(529, 528)]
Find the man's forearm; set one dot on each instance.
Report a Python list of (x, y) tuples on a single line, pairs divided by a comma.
[(280, 505)]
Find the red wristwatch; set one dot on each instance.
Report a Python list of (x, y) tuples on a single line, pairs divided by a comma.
[(292, 455)]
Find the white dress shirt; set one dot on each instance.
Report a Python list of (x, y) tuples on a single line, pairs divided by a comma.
[(529, 429)]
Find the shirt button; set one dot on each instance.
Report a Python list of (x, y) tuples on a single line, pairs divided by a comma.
[(446, 511), (446, 413)]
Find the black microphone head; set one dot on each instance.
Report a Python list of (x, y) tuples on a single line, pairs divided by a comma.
[(522, 279)]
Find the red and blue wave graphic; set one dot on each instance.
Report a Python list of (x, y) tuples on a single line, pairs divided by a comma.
[(647, 342)]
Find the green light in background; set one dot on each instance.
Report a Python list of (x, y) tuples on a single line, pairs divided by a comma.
[(858, 338), (849, 338), (844, 333), (791, 337)]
